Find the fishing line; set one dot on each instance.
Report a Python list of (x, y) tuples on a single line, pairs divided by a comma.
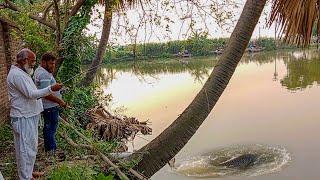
[(82, 73)]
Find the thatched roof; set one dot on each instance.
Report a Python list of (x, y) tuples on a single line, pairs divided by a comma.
[(296, 18)]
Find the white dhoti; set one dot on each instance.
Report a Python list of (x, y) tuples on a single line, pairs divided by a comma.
[(26, 142)]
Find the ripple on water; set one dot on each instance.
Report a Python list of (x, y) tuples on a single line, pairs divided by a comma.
[(269, 160)]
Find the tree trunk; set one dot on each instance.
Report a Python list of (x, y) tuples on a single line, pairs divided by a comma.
[(173, 139), (58, 37), (134, 50), (59, 62), (102, 46)]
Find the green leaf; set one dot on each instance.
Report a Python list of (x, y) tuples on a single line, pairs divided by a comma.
[(103, 177)]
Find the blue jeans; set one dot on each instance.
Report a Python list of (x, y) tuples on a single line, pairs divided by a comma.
[(51, 119)]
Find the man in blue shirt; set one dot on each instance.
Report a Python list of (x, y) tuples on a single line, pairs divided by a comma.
[(43, 78)]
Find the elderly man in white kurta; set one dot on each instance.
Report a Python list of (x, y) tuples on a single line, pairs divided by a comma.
[(25, 109)]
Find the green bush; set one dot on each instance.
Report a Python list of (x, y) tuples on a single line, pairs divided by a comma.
[(80, 100), (76, 172)]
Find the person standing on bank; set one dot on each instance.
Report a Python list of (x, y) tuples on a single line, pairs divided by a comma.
[(25, 109), (43, 78)]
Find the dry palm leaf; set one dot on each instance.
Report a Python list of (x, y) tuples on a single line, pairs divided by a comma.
[(109, 127), (296, 18)]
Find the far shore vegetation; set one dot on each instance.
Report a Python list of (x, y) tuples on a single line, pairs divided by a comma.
[(196, 46)]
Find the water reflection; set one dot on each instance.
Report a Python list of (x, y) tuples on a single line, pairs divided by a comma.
[(256, 107), (199, 69), (302, 72), (302, 68)]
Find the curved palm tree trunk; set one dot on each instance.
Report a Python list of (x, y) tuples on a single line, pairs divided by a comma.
[(102, 46), (173, 139)]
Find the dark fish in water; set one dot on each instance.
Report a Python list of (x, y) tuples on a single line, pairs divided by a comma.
[(240, 162)]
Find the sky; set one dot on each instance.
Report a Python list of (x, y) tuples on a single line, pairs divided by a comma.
[(178, 25)]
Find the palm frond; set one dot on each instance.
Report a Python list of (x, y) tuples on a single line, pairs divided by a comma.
[(296, 18)]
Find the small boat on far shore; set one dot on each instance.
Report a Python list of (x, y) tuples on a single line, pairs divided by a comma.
[(184, 54), (254, 49)]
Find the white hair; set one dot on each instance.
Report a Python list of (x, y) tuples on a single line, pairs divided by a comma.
[(23, 54)]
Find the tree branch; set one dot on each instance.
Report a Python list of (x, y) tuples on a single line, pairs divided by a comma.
[(3, 5), (75, 130), (13, 7), (57, 19), (46, 10), (76, 7), (72, 143), (104, 157), (10, 23), (67, 13)]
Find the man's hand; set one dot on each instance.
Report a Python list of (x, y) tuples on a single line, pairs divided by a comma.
[(56, 87), (63, 104)]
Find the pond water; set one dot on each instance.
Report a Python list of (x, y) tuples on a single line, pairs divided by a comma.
[(272, 101)]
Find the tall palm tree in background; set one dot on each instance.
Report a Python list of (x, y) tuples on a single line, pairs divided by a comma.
[(88, 79), (296, 17), (110, 6)]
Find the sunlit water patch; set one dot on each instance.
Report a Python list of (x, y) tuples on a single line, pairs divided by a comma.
[(267, 160)]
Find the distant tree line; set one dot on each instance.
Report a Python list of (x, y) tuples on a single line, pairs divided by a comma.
[(197, 45)]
